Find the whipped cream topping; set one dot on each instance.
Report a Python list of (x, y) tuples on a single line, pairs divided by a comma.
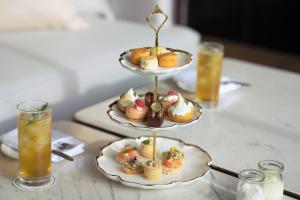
[(170, 98), (181, 107), (139, 108), (128, 98)]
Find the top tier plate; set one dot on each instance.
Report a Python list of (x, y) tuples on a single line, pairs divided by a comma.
[(184, 61)]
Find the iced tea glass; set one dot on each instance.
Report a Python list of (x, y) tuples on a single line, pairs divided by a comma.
[(34, 138), (209, 70)]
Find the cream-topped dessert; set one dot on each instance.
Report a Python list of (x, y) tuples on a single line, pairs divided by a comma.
[(169, 100), (182, 106), (181, 111), (149, 63), (126, 99)]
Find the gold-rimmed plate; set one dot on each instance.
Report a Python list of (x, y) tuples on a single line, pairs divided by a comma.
[(184, 60), (197, 163), (120, 118)]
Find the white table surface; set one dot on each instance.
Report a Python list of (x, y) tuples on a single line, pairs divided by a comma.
[(250, 124), (80, 180)]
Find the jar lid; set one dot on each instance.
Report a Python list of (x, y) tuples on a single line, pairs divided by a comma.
[(252, 176), (270, 166)]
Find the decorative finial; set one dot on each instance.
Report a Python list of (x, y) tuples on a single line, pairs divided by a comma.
[(156, 9)]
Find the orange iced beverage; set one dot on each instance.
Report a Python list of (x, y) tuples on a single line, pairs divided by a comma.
[(209, 70), (34, 132)]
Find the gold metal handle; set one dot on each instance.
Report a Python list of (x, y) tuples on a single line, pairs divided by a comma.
[(156, 104), (156, 10)]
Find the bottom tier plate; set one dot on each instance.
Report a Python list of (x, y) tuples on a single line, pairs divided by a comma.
[(197, 164)]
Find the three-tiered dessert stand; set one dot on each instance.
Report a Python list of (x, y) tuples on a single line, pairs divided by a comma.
[(184, 61)]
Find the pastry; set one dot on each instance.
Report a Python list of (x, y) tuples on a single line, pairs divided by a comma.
[(167, 60), (168, 100), (172, 161), (138, 111), (156, 51), (155, 116), (149, 63), (147, 148), (126, 153), (152, 170), (136, 55), (133, 166), (182, 111), (126, 99)]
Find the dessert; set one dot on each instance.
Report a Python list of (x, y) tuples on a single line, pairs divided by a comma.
[(168, 60), (156, 51), (136, 55), (182, 111), (126, 153), (147, 148), (149, 98), (138, 111), (155, 116), (133, 166), (172, 161), (169, 100), (126, 99), (152, 170), (149, 63)]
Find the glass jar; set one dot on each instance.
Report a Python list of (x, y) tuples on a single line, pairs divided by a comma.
[(273, 184), (250, 186)]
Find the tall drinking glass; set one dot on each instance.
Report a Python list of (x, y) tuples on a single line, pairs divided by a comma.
[(34, 138), (209, 70)]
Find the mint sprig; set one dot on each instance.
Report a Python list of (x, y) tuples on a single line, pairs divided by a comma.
[(36, 114), (186, 102)]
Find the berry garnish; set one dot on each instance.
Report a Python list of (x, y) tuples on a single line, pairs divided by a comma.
[(171, 93), (139, 103), (133, 159)]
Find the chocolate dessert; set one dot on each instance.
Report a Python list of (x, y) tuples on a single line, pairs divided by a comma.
[(155, 116), (149, 99)]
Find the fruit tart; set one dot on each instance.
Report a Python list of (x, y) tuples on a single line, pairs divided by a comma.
[(138, 111)]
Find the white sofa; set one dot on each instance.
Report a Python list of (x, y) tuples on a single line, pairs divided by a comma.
[(75, 69)]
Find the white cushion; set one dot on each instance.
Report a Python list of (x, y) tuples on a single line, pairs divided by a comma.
[(101, 7), (39, 14), (75, 69)]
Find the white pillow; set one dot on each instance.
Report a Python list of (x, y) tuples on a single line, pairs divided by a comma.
[(39, 14), (93, 7)]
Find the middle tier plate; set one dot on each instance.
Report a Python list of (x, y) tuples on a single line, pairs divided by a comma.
[(184, 61), (117, 116)]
